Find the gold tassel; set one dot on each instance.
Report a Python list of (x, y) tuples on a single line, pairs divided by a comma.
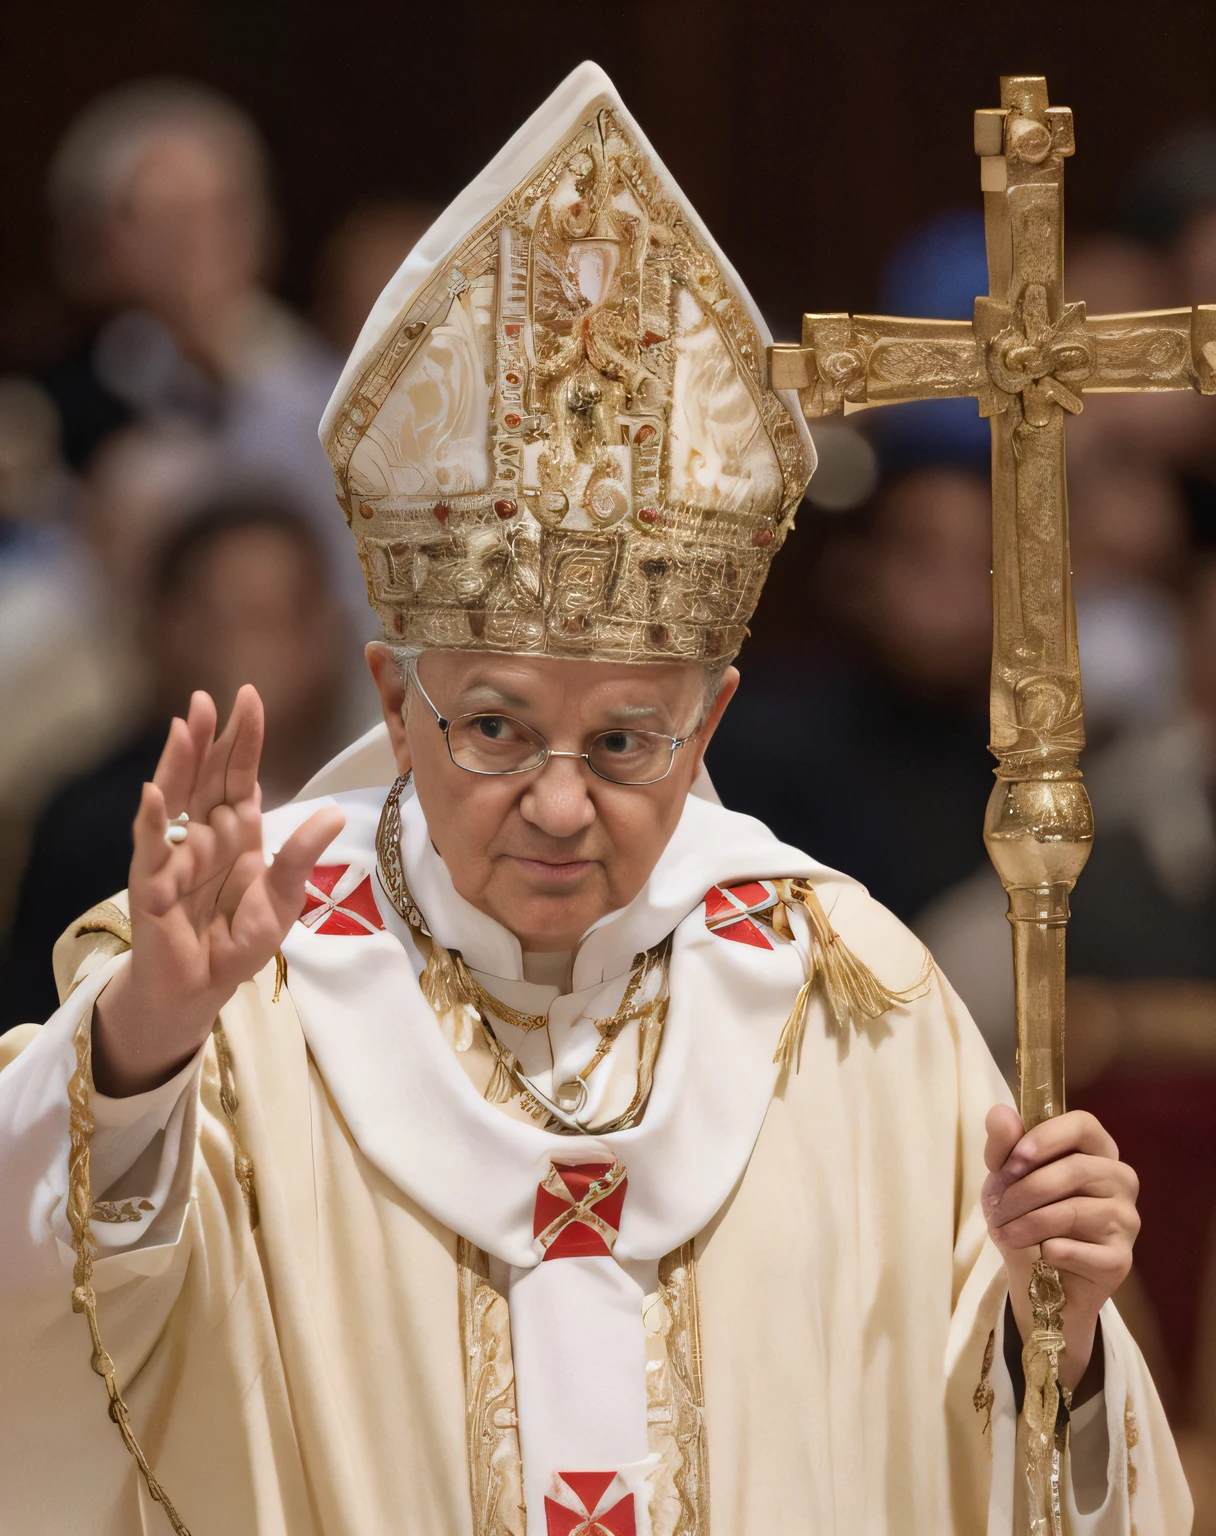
[(851, 992), (443, 981), (280, 975), (448, 987), (502, 1087)]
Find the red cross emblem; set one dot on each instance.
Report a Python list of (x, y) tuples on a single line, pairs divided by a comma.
[(578, 1209), (589, 1504), (338, 899), (731, 911)]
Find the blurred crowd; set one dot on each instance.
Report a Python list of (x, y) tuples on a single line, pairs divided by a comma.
[(167, 522), (167, 514)]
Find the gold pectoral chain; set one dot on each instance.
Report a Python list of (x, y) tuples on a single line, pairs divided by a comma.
[(447, 984)]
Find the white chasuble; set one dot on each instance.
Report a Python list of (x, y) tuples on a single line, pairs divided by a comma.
[(769, 1303)]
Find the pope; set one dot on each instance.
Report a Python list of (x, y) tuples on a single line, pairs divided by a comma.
[(504, 1138)]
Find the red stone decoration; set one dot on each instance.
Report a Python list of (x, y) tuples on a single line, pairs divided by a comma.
[(590, 1504), (762, 538), (649, 516), (645, 432), (506, 508), (338, 900), (442, 511), (578, 1209), (511, 419), (652, 339), (729, 912), (512, 331)]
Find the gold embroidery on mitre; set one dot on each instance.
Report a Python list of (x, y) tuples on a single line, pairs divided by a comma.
[(566, 442)]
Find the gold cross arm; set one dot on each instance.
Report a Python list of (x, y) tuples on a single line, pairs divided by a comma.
[(1027, 356), (848, 362)]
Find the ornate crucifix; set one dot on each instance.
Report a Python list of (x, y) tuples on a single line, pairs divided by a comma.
[(1027, 357)]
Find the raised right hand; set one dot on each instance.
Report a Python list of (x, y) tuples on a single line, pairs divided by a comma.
[(206, 913)]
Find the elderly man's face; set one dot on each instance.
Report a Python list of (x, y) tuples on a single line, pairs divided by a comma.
[(547, 852)]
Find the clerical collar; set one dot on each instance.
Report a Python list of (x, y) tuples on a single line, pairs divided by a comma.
[(549, 970)]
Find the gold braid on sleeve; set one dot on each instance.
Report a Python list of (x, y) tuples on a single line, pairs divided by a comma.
[(84, 1298)]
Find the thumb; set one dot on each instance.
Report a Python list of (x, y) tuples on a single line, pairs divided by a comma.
[(1004, 1126)]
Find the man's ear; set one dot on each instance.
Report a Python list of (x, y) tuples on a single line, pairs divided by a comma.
[(390, 685), (730, 681)]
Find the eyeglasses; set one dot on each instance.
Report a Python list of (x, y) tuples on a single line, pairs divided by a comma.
[(498, 744)]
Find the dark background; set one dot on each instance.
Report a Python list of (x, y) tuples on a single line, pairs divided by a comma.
[(809, 137)]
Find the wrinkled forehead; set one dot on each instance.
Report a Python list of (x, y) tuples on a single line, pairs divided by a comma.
[(558, 684)]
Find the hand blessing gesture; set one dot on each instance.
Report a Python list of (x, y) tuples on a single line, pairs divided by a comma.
[(207, 912)]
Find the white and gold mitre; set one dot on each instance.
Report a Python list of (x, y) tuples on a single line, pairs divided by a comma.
[(555, 433)]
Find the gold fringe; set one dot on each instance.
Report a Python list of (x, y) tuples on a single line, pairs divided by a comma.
[(445, 982), (280, 975), (502, 1087), (84, 1298), (850, 990)]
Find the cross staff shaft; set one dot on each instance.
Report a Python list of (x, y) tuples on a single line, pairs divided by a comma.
[(1027, 357)]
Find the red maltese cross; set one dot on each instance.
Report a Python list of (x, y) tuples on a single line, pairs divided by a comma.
[(338, 900), (578, 1209), (589, 1504), (731, 911)]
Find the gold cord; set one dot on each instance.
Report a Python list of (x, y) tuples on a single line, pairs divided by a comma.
[(84, 1298)]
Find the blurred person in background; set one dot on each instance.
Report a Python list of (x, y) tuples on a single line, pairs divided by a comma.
[(1170, 205), (163, 228), (887, 729), (65, 684), (357, 260), (883, 687), (239, 592)]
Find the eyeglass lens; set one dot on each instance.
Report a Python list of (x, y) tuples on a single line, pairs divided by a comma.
[(500, 744)]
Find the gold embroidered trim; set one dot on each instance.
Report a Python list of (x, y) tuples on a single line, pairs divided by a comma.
[(115, 1210), (84, 1298), (242, 1163), (280, 975), (850, 990), (105, 917), (686, 1391), (983, 1397), (491, 1424), (675, 1403), (1131, 1439)]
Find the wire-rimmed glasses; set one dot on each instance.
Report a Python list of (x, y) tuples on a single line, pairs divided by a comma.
[(488, 742)]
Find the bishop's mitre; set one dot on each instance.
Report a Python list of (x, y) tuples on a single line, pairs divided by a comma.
[(555, 434)]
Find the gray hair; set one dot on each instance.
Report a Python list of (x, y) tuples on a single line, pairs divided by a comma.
[(712, 673)]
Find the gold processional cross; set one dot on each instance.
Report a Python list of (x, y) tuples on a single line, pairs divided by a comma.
[(1027, 356)]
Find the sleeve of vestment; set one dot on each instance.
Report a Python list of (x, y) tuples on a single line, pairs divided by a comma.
[(1120, 1475)]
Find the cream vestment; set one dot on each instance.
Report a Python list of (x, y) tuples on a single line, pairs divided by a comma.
[(809, 1340)]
